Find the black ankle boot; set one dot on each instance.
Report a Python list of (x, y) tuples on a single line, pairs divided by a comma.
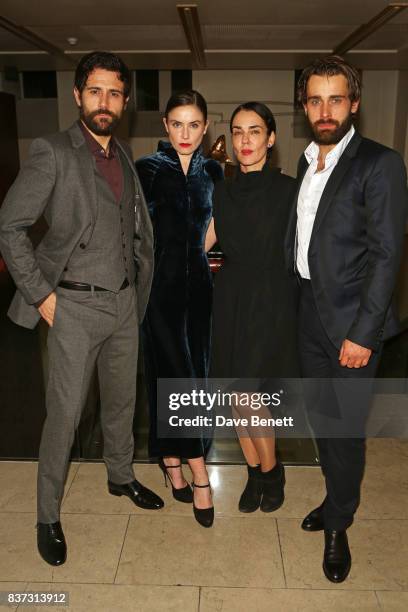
[(273, 488), (250, 499)]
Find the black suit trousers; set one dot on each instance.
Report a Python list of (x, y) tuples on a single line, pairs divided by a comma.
[(337, 405)]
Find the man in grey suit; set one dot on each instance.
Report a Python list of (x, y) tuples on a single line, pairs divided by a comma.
[(89, 279)]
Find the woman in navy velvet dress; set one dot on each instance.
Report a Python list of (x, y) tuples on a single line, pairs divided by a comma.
[(178, 183)]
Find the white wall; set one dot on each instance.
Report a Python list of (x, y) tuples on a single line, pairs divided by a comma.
[(380, 115), (67, 109), (12, 87), (225, 90), (401, 116), (378, 105), (406, 147), (143, 146)]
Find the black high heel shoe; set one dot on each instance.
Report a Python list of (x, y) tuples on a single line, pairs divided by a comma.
[(185, 494), (204, 516)]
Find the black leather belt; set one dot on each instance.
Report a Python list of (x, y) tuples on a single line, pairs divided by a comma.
[(85, 287)]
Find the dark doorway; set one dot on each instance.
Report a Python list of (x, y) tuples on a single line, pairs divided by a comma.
[(22, 407)]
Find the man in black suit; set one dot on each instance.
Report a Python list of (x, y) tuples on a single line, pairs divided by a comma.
[(344, 243)]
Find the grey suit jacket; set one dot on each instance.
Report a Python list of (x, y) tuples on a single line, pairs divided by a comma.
[(57, 180)]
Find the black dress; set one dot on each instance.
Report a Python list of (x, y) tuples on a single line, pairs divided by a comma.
[(176, 329), (254, 308)]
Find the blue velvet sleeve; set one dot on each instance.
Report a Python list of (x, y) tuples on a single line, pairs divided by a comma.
[(146, 168)]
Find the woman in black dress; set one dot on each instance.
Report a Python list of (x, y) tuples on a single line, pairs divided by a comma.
[(254, 327), (178, 183)]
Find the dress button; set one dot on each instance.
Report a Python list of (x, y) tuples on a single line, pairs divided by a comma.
[(65, 269), (82, 245)]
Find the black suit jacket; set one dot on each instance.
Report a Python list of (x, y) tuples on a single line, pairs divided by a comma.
[(356, 243)]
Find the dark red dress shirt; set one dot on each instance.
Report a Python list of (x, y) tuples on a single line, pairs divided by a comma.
[(107, 162)]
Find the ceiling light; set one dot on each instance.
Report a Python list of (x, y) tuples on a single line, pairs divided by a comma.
[(188, 14), (368, 28), (32, 38)]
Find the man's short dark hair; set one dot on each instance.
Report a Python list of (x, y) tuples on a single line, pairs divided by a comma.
[(105, 60), (331, 65)]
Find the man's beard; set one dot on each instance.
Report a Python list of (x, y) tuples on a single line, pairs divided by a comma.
[(106, 128), (330, 137)]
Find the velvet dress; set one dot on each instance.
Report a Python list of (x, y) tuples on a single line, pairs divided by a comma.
[(176, 329), (254, 310)]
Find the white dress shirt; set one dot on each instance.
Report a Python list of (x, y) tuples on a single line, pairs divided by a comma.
[(310, 193)]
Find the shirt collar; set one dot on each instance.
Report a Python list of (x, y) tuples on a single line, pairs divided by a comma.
[(94, 146), (312, 151)]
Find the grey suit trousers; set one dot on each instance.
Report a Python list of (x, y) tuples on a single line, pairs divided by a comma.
[(90, 328)]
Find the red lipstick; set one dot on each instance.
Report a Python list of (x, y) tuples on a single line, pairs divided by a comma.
[(246, 151), (185, 144)]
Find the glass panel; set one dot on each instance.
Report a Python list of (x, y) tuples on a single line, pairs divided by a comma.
[(40, 84), (147, 90), (181, 80)]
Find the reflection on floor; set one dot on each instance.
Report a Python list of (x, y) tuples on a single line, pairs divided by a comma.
[(23, 375), (121, 558)]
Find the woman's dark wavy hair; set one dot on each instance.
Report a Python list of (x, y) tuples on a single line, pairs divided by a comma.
[(105, 60), (331, 65), (260, 109), (191, 97)]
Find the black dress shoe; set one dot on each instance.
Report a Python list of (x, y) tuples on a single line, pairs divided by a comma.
[(314, 520), (51, 543), (337, 558), (273, 488), (140, 495), (250, 499)]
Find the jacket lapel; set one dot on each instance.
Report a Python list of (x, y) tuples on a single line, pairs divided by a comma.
[(139, 190), (86, 168), (129, 160), (334, 182), (301, 171), (143, 222), (290, 237)]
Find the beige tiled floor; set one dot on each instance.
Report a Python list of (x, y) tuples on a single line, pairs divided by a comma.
[(122, 558)]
